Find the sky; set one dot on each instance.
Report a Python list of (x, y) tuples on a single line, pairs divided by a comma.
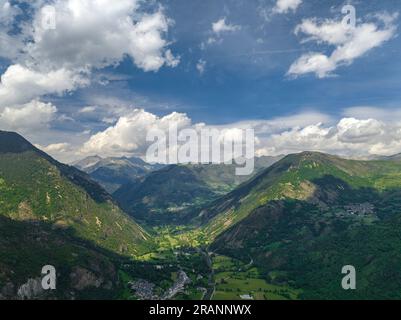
[(85, 77)]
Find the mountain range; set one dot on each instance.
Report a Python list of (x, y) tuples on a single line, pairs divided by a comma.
[(55, 212), (309, 215), (176, 192), (112, 173), (288, 229)]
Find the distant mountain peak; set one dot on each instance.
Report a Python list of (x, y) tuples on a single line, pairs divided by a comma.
[(114, 172), (137, 161), (87, 162), (314, 154), (311, 156)]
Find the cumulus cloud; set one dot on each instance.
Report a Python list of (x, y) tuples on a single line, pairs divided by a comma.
[(20, 84), (27, 117), (349, 43), (221, 26), (285, 6), (348, 137), (87, 35), (97, 33), (128, 135), (9, 45), (61, 151), (357, 136), (311, 131), (56, 148), (351, 130), (278, 124)]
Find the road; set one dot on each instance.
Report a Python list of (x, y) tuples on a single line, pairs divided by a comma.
[(212, 286)]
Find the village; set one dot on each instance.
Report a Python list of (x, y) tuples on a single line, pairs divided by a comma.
[(144, 290)]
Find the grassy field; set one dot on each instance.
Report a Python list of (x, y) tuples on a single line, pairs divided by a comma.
[(235, 279)]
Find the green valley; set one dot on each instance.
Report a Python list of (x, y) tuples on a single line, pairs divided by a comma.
[(53, 213), (284, 233), (174, 194)]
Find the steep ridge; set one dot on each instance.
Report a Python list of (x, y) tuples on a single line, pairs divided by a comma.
[(35, 187), (309, 215), (175, 193)]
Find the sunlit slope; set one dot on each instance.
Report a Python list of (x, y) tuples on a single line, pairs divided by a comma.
[(312, 177), (35, 187), (309, 215)]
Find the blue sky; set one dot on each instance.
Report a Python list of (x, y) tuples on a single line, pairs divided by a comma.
[(245, 78), (217, 62)]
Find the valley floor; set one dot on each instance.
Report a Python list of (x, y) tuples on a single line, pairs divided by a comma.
[(183, 268)]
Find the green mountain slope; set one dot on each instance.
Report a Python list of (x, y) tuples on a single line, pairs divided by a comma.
[(84, 271), (166, 196), (310, 214), (35, 187), (295, 177), (175, 193)]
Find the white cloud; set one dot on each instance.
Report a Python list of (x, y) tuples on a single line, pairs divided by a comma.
[(284, 6), (306, 131), (369, 112), (265, 128), (128, 135), (20, 84), (28, 117), (221, 26), (349, 137), (7, 12), (201, 66), (357, 136), (350, 43), (313, 62), (56, 148), (351, 130), (62, 151), (9, 45), (88, 35), (97, 33), (210, 41), (88, 109)]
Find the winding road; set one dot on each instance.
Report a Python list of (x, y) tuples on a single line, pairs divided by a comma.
[(212, 286)]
